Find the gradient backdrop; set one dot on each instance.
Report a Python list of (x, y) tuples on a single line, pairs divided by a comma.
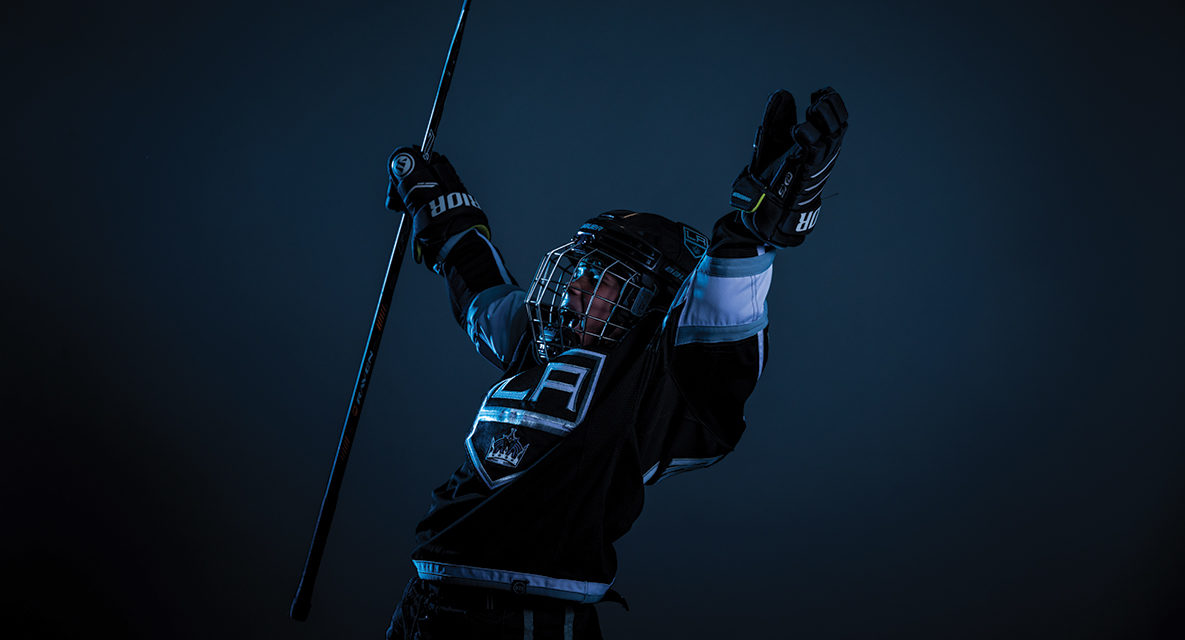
[(971, 421)]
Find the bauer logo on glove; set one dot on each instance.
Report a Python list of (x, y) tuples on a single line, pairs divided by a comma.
[(402, 164)]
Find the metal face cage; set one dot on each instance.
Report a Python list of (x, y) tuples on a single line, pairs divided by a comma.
[(582, 296)]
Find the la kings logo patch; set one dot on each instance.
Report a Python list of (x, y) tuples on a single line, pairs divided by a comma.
[(525, 416)]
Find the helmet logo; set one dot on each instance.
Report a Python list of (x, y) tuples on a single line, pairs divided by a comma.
[(696, 242)]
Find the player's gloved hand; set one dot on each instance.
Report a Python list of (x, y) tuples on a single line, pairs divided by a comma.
[(437, 200), (779, 194)]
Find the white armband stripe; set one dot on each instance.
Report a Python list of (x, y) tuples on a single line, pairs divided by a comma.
[(725, 300)]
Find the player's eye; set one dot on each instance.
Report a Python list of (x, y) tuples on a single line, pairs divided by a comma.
[(589, 270)]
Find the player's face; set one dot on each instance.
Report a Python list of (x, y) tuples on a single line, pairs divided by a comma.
[(595, 297)]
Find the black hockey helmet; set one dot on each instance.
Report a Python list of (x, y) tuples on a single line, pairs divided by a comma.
[(636, 262)]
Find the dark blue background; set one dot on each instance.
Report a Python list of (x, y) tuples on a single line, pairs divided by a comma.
[(970, 425)]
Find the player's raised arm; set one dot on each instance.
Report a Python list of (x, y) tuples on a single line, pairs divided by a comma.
[(720, 319), (777, 199), (452, 238)]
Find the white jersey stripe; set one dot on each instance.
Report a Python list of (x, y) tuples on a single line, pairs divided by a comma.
[(530, 583), (760, 352)]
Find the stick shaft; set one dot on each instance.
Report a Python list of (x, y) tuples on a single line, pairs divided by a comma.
[(302, 602), (446, 79), (304, 590)]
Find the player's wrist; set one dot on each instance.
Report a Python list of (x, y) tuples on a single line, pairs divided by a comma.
[(442, 253), (732, 239)]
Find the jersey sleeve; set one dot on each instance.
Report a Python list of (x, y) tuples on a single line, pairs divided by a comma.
[(715, 336), (486, 300)]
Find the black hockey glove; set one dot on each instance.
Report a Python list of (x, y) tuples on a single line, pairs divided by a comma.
[(439, 204), (779, 194)]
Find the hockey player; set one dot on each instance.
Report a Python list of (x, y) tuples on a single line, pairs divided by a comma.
[(628, 359)]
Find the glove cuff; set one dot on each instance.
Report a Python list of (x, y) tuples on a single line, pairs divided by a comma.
[(731, 238), (749, 194), (761, 211), (442, 253), (440, 233)]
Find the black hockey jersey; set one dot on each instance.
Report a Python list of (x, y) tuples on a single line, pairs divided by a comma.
[(559, 453)]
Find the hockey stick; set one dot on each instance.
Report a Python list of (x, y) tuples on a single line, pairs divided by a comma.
[(304, 591)]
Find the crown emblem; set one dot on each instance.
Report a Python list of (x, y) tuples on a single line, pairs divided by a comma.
[(507, 451)]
